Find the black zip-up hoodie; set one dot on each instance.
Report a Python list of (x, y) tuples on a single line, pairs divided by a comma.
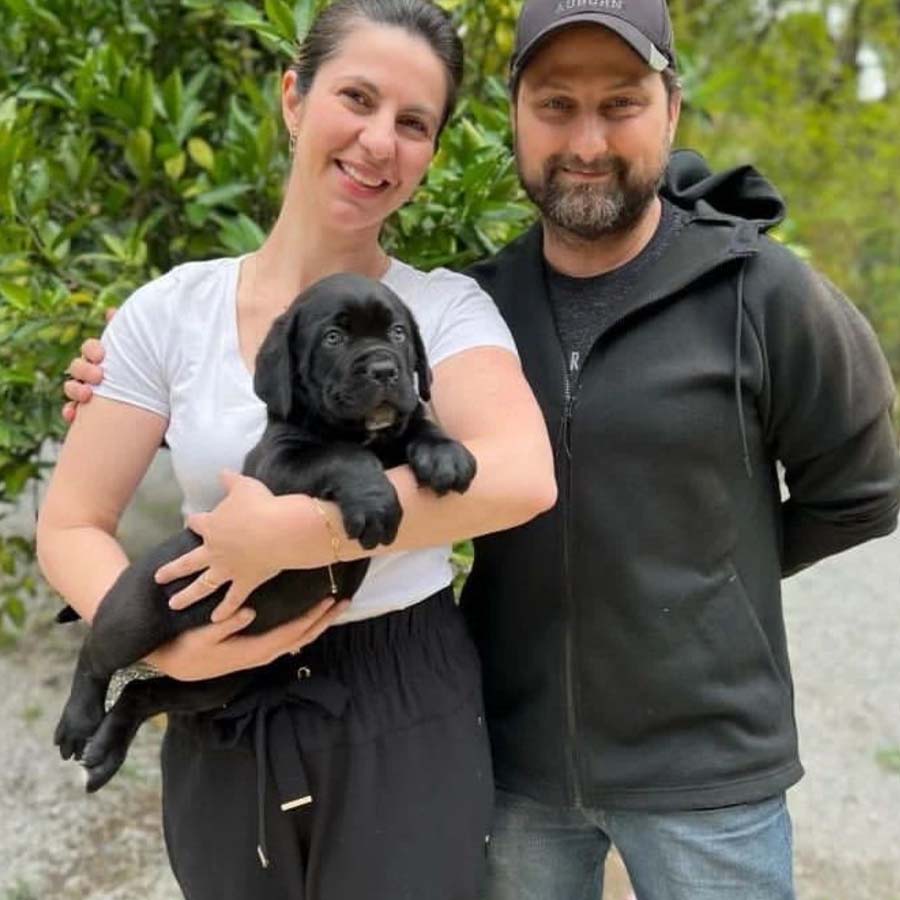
[(632, 637)]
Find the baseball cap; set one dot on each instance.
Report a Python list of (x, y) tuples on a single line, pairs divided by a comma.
[(643, 24)]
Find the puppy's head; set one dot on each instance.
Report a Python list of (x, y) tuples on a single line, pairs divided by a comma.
[(346, 352)]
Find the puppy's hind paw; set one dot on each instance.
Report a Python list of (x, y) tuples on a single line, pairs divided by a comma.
[(71, 738), (100, 764)]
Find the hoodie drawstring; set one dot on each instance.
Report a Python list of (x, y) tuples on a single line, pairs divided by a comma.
[(738, 397)]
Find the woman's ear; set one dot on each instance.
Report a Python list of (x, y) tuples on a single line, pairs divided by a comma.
[(291, 102)]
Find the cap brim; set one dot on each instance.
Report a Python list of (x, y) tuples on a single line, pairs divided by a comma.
[(638, 42)]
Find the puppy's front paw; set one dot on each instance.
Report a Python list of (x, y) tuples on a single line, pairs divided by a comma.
[(441, 464), (373, 515)]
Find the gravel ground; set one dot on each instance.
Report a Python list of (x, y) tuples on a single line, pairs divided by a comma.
[(844, 623)]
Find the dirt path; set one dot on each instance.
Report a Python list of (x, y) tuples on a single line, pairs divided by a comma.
[(844, 621)]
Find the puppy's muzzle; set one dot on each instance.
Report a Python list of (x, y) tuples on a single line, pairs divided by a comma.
[(383, 370)]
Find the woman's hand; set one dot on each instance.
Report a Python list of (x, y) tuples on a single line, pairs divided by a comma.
[(84, 372), (237, 547), (219, 648)]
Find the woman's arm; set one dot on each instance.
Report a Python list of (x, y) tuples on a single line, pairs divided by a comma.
[(481, 398), (106, 453)]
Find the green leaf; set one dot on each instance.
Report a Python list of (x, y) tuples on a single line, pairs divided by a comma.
[(201, 153), (139, 152), (118, 109), (282, 17), (15, 479), (222, 196), (147, 96), (175, 166), (240, 234), (15, 609), (18, 295), (304, 12), (42, 95), (242, 14), (173, 96)]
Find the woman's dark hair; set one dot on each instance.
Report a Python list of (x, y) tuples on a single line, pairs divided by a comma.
[(420, 18)]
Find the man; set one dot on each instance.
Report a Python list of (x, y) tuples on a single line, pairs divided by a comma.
[(636, 672)]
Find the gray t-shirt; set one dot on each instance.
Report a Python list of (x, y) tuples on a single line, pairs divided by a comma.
[(173, 349), (584, 307)]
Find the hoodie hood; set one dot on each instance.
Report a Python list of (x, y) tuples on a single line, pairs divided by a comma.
[(739, 194)]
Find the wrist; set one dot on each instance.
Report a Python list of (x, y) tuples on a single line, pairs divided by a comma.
[(306, 533)]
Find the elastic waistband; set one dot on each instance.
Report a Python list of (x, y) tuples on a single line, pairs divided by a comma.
[(436, 613)]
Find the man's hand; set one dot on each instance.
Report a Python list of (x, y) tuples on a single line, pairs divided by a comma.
[(217, 649), (84, 371)]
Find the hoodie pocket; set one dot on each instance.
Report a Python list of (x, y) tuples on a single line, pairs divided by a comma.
[(755, 627), (738, 678)]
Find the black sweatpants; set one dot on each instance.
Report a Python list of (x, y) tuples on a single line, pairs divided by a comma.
[(357, 770)]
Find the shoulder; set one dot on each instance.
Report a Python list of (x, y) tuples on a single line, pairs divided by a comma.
[(161, 312), (782, 287), (418, 287), (435, 296), (453, 313), (192, 282)]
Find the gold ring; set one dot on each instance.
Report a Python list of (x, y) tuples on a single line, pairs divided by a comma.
[(206, 581)]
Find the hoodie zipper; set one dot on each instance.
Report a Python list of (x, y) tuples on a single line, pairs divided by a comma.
[(569, 651)]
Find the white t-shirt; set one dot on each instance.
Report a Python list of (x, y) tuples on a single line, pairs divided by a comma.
[(173, 349)]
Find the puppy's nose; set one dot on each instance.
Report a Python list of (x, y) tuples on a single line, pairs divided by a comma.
[(384, 371)]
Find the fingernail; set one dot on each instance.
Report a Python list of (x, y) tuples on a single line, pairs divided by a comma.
[(173, 604), (248, 615)]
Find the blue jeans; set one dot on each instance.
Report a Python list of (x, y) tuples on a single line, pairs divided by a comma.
[(540, 852)]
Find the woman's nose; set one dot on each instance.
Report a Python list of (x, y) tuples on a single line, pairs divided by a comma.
[(377, 138)]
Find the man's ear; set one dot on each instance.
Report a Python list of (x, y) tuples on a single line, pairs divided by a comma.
[(674, 113), (276, 374)]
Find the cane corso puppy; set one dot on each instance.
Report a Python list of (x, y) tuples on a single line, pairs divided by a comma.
[(344, 378)]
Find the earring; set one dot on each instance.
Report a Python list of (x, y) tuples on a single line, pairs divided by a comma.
[(292, 142)]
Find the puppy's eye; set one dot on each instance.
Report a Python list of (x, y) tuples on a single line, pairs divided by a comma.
[(397, 334), (334, 337)]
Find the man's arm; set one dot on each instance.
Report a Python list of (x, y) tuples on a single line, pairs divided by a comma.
[(826, 408), (842, 497)]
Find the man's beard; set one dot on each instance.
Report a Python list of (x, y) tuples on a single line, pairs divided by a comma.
[(593, 211)]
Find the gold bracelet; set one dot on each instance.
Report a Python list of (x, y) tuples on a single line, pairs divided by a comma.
[(335, 542)]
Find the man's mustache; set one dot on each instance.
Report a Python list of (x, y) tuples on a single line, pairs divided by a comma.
[(605, 165)]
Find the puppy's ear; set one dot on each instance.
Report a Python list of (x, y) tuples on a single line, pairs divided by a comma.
[(275, 377), (422, 369)]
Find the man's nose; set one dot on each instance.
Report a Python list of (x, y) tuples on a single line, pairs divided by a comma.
[(588, 139)]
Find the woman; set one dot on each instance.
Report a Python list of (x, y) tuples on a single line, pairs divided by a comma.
[(385, 728)]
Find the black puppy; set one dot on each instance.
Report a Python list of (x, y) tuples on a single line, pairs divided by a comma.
[(337, 372)]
